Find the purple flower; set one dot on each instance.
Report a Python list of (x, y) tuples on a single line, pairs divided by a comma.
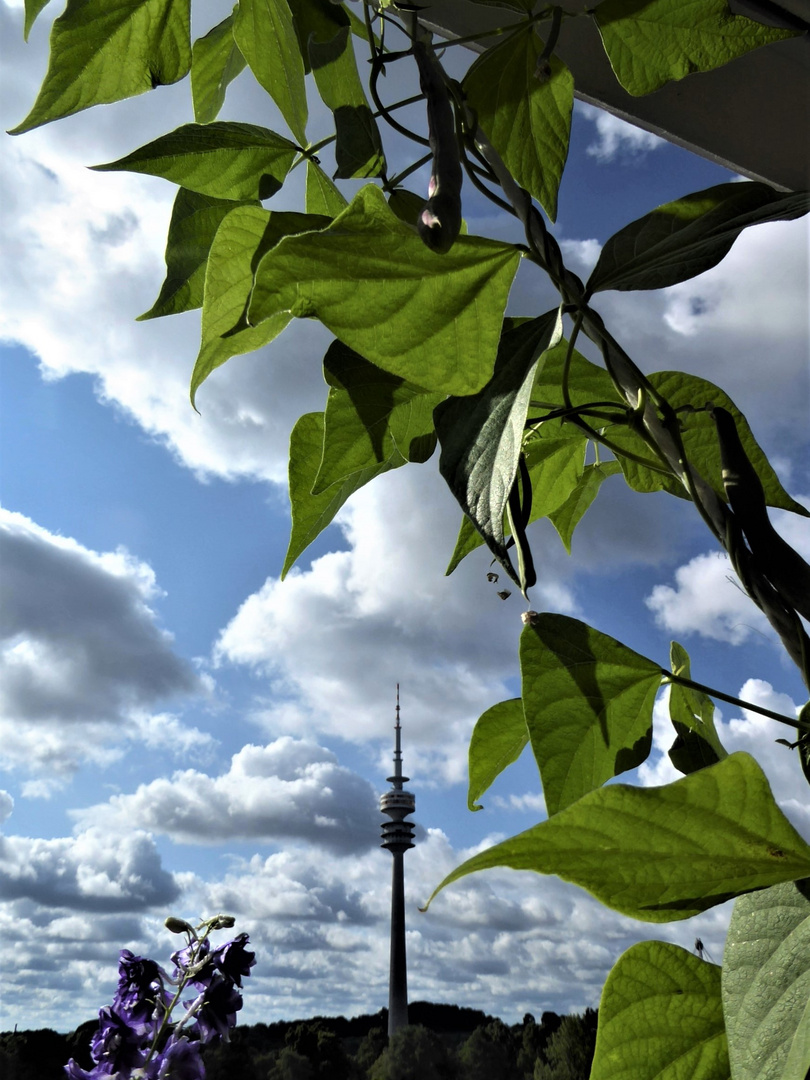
[(217, 1015), (179, 1061), (233, 959), (140, 987), (118, 1046)]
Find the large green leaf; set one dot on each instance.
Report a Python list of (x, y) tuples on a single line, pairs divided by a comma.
[(692, 714), (312, 513), (266, 37), (226, 160), (682, 239), (766, 984), (195, 220), (372, 418), (566, 517), (661, 1018), (481, 434), (498, 739), (433, 319), (103, 52), (358, 148), (686, 393), (322, 197), (650, 42), (588, 703), (587, 382), (666, 853), (526, 114), (215, 62), (241, 240), (555, 458), (32, 10)]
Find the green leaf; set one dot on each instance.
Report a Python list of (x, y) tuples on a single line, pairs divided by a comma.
[(692, 714), (498, 739), (666, 853), (318, 19), (650, 42), (432, 319), (587, 381), (102, 52), (215, 62), (766, 984), (358, 148), (322, 197), (566, 518), (588, 703), (526, 116), (266, 37), (682, 239), (372, 418), (241, 240), (226, 160), (689, 392), (32, 10), (661, 1018), (195, 220), (555, 458), (481, 434), (312, 513)]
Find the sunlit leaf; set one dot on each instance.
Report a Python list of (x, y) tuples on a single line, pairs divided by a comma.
[(687, 393), (661, 1018), (241, 240), (588, 704), (215, 62), (266, 37), (358, 148), (32, 10), (650, 42), (566, 518), (684, 238), (432, 319), (692, 714), (226, 160), (195, 220), (481, 434), (666, 853), (102, 52), (372, 418), (322, 197), (498, 739), (312, 513), (766, 984), (525, 110)]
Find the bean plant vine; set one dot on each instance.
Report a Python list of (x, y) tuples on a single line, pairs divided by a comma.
[(527, 427)]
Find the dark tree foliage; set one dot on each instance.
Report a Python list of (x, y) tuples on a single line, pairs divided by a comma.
[(570, 1049), (490, 1053), (414, 1053)]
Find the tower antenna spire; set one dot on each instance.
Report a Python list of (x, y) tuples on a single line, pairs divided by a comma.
[(397, 837)]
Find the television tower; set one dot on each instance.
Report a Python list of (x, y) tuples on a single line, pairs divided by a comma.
[(397, 837)]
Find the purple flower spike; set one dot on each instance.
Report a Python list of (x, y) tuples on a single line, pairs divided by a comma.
[(218, 1013), (118, 1046)]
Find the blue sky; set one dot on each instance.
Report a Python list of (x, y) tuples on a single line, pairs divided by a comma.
[(180, 733)]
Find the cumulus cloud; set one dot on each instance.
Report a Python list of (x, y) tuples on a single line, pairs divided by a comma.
[(81, 653), (93, 871), (332, 641), (617, 137), (290, 790)]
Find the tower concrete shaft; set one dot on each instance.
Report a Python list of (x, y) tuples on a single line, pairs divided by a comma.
[(397, 837)]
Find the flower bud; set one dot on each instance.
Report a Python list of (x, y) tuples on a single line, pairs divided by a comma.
[(177, 926), (222, 922)]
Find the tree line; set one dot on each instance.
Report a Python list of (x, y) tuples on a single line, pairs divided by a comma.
[(443, 1042)]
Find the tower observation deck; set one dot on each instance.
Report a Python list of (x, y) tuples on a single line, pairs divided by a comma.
[(397, 837)]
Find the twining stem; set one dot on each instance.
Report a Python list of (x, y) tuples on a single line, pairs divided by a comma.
[(670, 676)]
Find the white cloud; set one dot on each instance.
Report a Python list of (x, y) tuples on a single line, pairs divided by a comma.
[(82, 656), (616, 137), (6, 806), (93, 871), (289, 791), (707, 600)]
